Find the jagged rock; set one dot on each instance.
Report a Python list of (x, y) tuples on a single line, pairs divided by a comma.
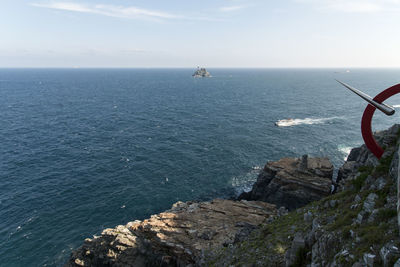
[(362, 156), (245, 230), (289, 183), (344, 254), (380, 183), (373, 215), (369, 203), (347, 169), (361, 217), (313, 234), (177, 237), (308, 216), (386, 138), (398, 192), (303, 166), (315, 224), (282, 211), (391, 202), (297, 244), (369, 259), (394, 166), (389, 253), (326, 246)]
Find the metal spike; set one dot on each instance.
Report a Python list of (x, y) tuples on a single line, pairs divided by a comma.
[(387, 109)]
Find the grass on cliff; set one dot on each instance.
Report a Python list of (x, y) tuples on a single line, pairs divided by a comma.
[(268, 245)]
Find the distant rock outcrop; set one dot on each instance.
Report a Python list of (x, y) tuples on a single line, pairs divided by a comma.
[(201, 73), (176, 237), (292, 182)]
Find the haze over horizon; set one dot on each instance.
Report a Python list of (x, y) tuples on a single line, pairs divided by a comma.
[(219, 33)]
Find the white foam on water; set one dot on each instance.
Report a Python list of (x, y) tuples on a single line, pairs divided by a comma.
[(244, 183), (396, 106), (307, 121), (345, 150)]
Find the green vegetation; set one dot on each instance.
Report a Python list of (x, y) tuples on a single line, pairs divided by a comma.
[(384, 165), (385, 214), (301, 260), (270, 243), (359, 181), (366, 169)]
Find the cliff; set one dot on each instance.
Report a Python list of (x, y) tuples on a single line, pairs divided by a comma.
[(355, 227), (176, 237), (292, 182)]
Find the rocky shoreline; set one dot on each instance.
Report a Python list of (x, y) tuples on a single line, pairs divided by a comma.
[(289, 218)]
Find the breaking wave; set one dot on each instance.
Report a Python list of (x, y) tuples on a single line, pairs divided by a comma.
[(244, 182), (345, 150)]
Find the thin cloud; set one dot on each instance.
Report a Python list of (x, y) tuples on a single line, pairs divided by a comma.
[(109, 10), (354, 6), (230, 8)]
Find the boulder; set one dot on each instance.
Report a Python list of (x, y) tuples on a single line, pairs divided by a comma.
[(369, 202), (389, 254), (369, 259), (292, 182)]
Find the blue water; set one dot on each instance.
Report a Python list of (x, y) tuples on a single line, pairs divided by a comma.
[(82, 149)]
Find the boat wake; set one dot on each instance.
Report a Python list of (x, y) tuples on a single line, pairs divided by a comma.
[(308, 121)]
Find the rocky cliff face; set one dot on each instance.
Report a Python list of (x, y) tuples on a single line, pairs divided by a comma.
[(355, 227), (361, 156), (292, 182), (177, 237)]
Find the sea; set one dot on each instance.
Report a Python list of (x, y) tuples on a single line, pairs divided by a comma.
[(82, 150)]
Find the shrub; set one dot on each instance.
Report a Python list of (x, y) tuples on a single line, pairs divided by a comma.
[(359, 181), (386, 214)]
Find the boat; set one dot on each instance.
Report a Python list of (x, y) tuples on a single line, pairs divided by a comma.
[(201, 73)]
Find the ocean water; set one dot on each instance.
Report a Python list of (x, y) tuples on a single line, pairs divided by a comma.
[(86, 149)]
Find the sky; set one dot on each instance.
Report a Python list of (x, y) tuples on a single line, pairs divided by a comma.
[(209, 33)]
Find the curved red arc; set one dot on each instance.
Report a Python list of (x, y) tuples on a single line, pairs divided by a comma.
[(366, 122)]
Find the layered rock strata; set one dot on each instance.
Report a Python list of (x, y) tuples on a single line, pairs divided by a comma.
[(358, 226), (177, 237), (292, 182)]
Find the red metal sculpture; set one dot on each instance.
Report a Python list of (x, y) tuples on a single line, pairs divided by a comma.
[(366, 122)]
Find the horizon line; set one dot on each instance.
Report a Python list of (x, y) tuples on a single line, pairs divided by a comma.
[(102, 67)]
